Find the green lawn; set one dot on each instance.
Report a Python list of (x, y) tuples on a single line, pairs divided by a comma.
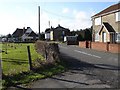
[(16, 59), (15, 65)]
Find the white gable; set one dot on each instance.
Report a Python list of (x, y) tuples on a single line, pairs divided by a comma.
[(29, 30), (117, 15)]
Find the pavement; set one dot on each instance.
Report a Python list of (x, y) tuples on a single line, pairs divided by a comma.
[(69, 79), (87, 69)]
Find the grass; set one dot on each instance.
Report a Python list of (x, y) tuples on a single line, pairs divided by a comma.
[(15, 65), (16, 59)]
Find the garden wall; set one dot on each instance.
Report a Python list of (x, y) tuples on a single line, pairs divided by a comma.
[(99, 46), (113, 48), (85, 44), (82, 44)]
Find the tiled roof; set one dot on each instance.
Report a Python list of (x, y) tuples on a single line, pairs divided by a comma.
[(48, 30), (19, 32), (109, 9), (57, 28), (33, 34), (60, 27)]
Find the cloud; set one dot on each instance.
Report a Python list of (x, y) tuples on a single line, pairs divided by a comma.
[(10, 21), (82, 19), (65, 10)]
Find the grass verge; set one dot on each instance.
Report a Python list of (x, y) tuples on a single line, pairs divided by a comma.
[(15, 65), (30, 76)]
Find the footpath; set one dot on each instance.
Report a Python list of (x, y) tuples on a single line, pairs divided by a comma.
[(69, 79)]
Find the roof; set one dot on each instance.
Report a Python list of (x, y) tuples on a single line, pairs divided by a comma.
[(58, 27), (19, 32), (33, 34), (109, 9), (48, 30), (108, 27)]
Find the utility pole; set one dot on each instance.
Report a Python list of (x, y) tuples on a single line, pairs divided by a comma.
[(39, 21)]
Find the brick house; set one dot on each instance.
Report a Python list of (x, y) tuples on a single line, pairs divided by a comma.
[(106, 25), (24, 35), (56, 34)]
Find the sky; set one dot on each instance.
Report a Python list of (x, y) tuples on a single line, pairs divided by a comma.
[(24, 13)]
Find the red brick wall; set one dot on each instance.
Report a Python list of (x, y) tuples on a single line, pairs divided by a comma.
[(85, 44), (82, 44), (99, 46), (114, 48)]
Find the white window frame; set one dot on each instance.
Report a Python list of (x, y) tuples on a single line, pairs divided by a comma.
[(98, 21), (117, 16), (97, 37), (118, 37)]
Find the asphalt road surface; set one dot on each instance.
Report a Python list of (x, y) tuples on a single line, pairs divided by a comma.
[(101, 65), (86, 69)]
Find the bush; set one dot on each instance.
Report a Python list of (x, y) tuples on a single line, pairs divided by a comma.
[(50, 51)]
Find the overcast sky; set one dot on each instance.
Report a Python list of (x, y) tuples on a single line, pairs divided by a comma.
[(24, 13)]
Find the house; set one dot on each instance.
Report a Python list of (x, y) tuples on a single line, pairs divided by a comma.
[(47, 34), (24, 35), (56, 34), (106, 25)]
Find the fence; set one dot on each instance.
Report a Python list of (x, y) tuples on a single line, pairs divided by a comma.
[(113, 48)]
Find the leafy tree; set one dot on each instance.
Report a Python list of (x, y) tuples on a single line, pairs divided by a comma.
[(9, 36)]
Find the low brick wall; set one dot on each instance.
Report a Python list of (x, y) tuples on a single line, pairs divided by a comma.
[(99, 46), (85, 44), (113, 48), (82, 44)]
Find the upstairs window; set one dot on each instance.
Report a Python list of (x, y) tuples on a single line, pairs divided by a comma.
[(98, 21), (117, 15)]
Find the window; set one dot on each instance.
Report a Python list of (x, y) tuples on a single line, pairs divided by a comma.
[(117, 37), (97, 37), (117, 15), (98, 21)]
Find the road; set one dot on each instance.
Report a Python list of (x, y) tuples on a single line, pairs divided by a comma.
[(104, 65), (109, 60), (86, 69)]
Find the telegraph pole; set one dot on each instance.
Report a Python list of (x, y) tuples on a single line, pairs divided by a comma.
[(39, 21)]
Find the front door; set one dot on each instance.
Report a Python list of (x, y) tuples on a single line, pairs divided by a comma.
[(104, 37)]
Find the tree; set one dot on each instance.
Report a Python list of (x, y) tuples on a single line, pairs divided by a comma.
[(9, 36)]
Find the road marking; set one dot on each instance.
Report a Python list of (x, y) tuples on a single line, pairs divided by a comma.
[(87, 54), (64, 47)]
